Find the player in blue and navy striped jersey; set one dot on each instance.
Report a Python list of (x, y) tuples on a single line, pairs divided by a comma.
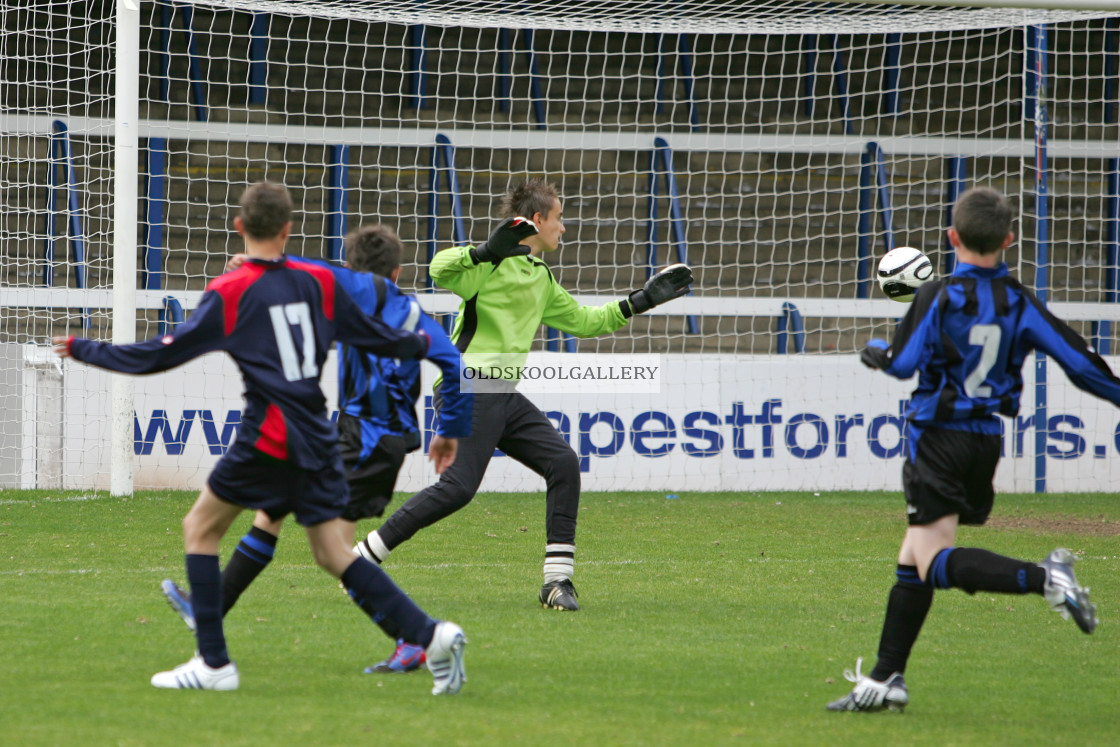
[(377, 420), (276, 317), (967, 336)]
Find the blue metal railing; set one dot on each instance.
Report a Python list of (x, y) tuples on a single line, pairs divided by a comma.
[(338, 187), (791, 319), (661, 164), (873, 182), (170, 316), (194, 64), (505, 66), (956, 174), (684, 55), (810, 47), (63, 189)]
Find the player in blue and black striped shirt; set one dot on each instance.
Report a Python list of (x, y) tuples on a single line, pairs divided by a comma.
[(967, 337)]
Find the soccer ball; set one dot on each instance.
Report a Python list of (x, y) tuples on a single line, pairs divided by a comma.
[(902, 271)]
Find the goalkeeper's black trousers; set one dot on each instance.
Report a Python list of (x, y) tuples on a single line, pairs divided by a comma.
[(510, 422)]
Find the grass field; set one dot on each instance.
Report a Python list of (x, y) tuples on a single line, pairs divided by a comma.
[(707, 620)]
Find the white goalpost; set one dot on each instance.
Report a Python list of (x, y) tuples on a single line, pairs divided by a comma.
[(779, 147)]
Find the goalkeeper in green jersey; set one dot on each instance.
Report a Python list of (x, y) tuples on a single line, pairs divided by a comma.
[(508, 292)]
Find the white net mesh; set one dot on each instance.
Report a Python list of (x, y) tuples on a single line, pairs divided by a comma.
[(793, 128)]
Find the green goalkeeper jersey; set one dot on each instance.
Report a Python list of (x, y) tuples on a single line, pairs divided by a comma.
[(504, 305)]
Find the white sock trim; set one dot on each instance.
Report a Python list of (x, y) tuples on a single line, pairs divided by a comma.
[(372, 548), (559, 563)]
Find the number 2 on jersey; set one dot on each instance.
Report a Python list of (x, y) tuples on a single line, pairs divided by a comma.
[(987, 336), (283, 319)]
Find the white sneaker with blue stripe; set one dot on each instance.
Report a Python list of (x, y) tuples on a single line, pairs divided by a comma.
[(196, 675), (445, 659)]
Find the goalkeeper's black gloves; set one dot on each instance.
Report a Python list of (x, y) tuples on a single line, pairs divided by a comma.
[(876, 354), (672, 282), (505, 241)]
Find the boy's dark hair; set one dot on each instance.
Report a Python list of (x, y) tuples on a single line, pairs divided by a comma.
[(982, 217), (265, 208), (528, 198), (374, 248)]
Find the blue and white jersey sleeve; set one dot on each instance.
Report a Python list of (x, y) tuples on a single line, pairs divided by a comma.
[(913, 343), (1086, 369), (455, 412)]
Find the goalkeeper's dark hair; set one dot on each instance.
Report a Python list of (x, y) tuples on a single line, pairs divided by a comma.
[(374, 248), (528, 198), (265, 208), (982, 218)]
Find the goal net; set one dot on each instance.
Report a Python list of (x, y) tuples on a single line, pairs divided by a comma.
[(778, 147)]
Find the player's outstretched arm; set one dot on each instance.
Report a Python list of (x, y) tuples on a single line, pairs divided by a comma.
[(1087, 370), (203, 332), (672, 282)]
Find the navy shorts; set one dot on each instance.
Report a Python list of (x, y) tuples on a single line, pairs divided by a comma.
[(951, 473), (248, 478), (371, 479)]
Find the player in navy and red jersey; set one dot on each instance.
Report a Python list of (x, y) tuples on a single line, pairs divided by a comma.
[(277, 317), (377, 419), (967, 336)]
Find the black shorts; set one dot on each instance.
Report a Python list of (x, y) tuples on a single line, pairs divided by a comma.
[(248, 478), (951, 474), (371, 479)]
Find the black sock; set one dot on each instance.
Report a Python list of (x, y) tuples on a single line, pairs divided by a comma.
[(388, 606), (253, 553), (973, 569), (205, 579), (907, 606)]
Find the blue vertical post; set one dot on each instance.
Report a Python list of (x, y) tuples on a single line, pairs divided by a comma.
[(198, 93), (840, 73), (61, 157), (1037, 43), (444, 151), (165, 14), (1102, 332), (791, 318), (890, 74), (155, 206), (809, 47), (417, 75), (258, 58), (664, 69), (535, 89), (661, 162), (886, 216), (956, 174), (338, 185), (504, 63), (1111, 253), (1030, 75), (863, 226)]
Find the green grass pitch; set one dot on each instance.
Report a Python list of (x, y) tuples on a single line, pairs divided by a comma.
[(712, 619)]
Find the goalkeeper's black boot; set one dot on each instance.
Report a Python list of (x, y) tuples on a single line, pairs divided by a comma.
[(559, 595)]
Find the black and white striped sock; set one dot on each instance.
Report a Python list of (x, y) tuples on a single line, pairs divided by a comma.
[(559, 562)]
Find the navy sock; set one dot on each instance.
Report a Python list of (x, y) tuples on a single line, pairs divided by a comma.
[(907, 607), (253, 553), (205, 578), (388, 606), (973, 569)]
